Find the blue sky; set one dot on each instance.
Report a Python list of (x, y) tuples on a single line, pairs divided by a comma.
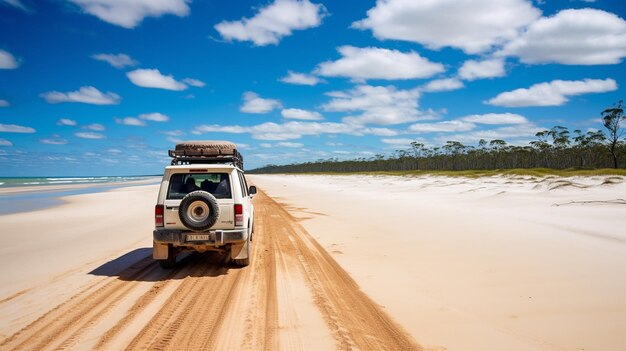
[(102, 87)]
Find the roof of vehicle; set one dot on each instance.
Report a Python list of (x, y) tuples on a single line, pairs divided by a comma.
[(206, 148), (206, 152), (197, 166)]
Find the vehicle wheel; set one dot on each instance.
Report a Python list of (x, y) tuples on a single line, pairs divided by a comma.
[(170, 262), (198, 210), (243, 262)]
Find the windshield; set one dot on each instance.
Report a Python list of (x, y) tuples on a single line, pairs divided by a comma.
[(182, 184)]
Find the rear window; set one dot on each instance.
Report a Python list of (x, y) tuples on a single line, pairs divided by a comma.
[(182, 184)]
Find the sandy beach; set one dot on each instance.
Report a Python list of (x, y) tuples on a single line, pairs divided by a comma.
[(339, 262), (478, 264)]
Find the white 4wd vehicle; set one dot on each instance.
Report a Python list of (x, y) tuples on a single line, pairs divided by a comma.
[(204, 203)]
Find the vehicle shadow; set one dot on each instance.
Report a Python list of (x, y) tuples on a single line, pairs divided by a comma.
[(138, 265)]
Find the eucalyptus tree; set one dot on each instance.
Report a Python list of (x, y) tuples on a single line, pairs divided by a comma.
[(419, 151), (612, 119), (560, 137), (555, 148)]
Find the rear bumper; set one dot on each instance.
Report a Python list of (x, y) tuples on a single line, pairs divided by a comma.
[(215, 237)]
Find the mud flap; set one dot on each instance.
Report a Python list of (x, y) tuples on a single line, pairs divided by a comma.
[(239, 251), (159, 251)]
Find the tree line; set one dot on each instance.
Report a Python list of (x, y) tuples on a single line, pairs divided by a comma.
[(556, 148)]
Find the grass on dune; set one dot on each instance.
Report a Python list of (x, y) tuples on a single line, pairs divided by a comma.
[(535, 172)]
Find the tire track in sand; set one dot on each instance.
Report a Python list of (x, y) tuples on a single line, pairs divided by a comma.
[(206, 304), (355, 321), (220, 307), (176, 324), (74, 316)]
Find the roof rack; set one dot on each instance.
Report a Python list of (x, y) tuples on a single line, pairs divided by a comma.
[(206, 152)]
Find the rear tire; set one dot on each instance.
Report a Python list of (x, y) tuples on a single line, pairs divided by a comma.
[(170, 261)]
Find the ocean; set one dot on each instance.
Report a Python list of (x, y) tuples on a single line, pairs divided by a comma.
[(41, 198), (30, 181)]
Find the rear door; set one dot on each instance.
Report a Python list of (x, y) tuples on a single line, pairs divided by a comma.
[(247, 204), (218, 183)]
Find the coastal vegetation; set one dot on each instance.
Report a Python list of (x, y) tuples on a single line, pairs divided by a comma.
[(557, 150)]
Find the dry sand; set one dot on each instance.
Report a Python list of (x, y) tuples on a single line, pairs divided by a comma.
[(352, 262), (515, 263), (93, 285)]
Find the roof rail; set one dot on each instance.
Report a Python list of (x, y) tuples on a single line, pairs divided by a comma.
[(206, 152)]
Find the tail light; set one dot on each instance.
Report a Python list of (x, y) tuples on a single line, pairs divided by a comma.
[(158, 216), (238, 215)]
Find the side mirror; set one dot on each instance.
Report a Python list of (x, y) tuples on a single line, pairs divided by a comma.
[(252, 190)]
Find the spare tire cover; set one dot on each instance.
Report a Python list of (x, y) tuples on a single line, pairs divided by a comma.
[(198, 210)]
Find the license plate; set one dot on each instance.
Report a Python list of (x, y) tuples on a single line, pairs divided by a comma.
[(197, 237)]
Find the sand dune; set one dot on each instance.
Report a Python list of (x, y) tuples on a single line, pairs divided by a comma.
[(339, 263)]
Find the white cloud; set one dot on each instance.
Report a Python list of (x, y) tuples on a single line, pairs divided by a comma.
[(300, 79), (130, 121), (7, 60), (130, 13), (471, 25), (289, 144), (4, 103), (116, 60), (95, 127), (174, 140), (18, 5), (554, 93), (398, 141), (294, 130), (253, 103), (54, 140), (446, 84), (14, 128), (86, 95), (194, 82), (274, 22), (265, 145), (376, 63), (377, 131), (572, 37), (490, 68), (4, 142), (155, 117), (445, 126), (296, 113), (496, 118), (89, 135), (222, 129), (505, 133), (66, 122), (176, 132), (377, 104), (152, 78)]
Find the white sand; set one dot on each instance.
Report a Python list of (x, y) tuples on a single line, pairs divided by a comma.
[(49, 253), (38, 245), (461, 264), (477, 264)]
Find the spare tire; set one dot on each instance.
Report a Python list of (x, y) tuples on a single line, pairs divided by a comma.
[(198, 210)]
